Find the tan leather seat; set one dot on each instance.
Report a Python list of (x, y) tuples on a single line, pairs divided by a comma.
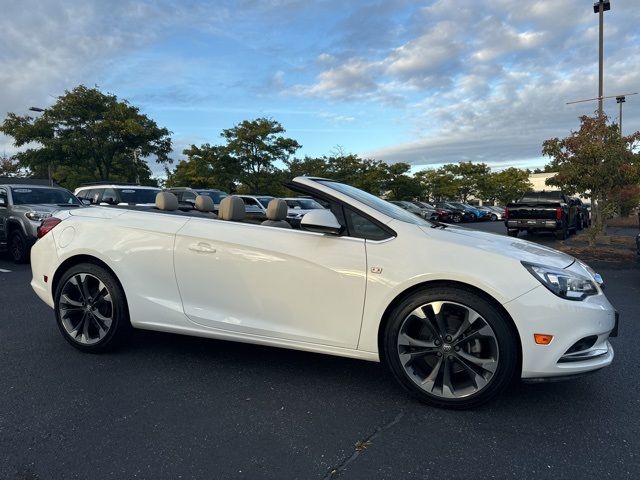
[(276, 213), (204, 204), (166, 201), (232, 208)]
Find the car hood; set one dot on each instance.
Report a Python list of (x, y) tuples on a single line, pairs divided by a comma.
[(41, 207), (505, 246)]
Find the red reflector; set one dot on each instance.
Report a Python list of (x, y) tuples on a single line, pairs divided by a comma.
[(506, 213), (559, 213), (47, 225)]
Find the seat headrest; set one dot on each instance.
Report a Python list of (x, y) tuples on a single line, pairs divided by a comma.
[(204, 203), (231, 208), (277, 209), (166, 201)]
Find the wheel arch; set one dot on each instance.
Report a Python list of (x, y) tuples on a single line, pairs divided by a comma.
[(13, 224), (76, 260), (448, 283)]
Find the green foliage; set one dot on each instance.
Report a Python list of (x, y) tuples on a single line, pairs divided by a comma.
[(88, 136), (505, 186), (206, 166), (468, 177), (10, 167), (595, 159), (256, 145)]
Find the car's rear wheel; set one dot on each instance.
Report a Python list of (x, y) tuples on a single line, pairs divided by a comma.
[(450, 347), (457, 218), (18, 247), (91, 308), (563, 232)]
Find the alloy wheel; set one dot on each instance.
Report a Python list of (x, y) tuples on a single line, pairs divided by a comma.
[(86, 308), (448, 349)]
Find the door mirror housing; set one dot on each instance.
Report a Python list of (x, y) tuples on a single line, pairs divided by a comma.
[(3, 202), (321, 221), (86, 201)]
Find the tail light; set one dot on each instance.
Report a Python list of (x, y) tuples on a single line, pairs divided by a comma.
[(559, 213), (47, 225), (506, 213)]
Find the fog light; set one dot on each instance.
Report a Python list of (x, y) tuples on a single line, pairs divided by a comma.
[(542, 338)]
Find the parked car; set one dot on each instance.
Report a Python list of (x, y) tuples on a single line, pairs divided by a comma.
[(187, 196), (256, 206), (22, 208), (410, 207), (584, 213), (454, 314), (298, 207), (441, 213), (538, 211), (492, 213), (117, 194), (477, 213), (456, 214), (638, 243)]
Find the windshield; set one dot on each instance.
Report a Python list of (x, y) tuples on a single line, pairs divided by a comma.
[(376, 203), (303, 203), (215, 196), (138, 195), (264, 201), (48, 196)]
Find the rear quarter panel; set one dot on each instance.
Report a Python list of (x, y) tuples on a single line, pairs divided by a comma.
[(138, 247)]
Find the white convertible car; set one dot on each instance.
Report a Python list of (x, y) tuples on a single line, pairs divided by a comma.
[(453, 313)]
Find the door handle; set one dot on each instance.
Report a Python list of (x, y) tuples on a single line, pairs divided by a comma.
[(202, 247)]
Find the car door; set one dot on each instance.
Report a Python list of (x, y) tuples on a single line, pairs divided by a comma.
[(272, 282)]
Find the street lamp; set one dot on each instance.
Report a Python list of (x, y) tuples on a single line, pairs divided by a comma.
[(600, 7), (41, 110), (620, 100)]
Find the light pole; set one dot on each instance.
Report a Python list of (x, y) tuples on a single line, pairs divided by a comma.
[(41, 110), (600, 7), (620, 100)]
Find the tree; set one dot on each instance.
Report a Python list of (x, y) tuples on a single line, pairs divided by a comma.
[(506, 186), (400, 185), (10, 167), (468, 177), (206, 166), (256, 145), (594, 159), (437, 185), (89, 135)]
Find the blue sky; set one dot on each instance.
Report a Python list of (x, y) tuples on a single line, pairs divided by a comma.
[(421, 82)]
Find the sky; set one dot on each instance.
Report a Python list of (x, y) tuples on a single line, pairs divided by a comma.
[(425, 83)]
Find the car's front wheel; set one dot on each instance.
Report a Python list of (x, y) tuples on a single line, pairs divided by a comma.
[(450, 347), (18, 247), (91, 308)]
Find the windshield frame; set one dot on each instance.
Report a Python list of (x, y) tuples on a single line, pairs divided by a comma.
[(381, 206)]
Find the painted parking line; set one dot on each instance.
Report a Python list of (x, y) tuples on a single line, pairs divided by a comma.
[(2, 270)]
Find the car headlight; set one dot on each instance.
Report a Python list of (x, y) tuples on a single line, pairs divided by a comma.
[(37, 216), (563, 283), (596, 276)]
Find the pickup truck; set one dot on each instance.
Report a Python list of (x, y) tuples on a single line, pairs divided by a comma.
[(540, 211), (22, 208)]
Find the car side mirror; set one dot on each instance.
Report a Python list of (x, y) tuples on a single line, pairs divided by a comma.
[(321, 221), (3, 202), (86, 201)]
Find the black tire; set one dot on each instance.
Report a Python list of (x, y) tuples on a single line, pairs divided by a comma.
[(18, 247), (120, 326), (562, 233), (456, 218), (512, 232), (493, 217), (504, 341)]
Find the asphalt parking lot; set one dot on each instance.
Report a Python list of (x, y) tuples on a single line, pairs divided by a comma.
[(178, 407)]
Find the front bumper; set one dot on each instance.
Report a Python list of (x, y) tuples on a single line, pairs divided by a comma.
[(580, 333)]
